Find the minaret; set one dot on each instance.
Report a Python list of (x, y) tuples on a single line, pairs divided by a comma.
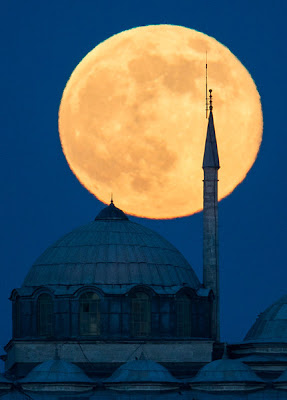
[(210, 220)]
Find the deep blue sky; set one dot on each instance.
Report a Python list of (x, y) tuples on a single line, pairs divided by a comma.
[(41, 44)]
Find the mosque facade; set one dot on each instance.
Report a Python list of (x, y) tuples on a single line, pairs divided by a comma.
[(112, 310)]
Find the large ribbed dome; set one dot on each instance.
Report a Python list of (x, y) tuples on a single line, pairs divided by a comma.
[(113, 253), (271, 325)]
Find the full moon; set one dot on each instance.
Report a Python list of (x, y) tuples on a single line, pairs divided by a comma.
[(132, 119)]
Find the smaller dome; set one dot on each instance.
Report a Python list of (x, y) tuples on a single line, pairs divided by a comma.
[(226, 375), (271, 325), (142, 375), (56, 375), (111, 212)]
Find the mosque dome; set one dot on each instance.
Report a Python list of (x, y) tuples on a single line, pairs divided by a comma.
[(137, 374), (111, 280), (115, 254), (57, 375), (271, 325), (226, 375)]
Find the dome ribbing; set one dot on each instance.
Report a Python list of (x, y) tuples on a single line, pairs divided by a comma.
[(115, 254), (56, 371), (271, 325), (141, 371)]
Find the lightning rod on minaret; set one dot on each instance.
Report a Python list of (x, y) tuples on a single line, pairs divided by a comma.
[(206, 99)]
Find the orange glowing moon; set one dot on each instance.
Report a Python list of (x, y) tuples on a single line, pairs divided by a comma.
[(132, 119)]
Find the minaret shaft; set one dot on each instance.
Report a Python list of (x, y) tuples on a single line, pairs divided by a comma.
[(210, 243), (210, 221)]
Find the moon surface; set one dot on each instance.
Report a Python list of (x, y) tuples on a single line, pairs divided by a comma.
[(132, 119)]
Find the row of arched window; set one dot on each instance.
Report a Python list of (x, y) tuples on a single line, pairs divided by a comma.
[(90, 315)]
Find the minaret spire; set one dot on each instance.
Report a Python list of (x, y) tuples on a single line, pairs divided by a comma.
[(210, 219), (210, 158)]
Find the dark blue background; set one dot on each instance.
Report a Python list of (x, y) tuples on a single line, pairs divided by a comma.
[(41, 44)]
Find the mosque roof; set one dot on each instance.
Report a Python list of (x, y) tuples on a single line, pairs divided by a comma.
[(115, 254), (111, 213), (271, 325), (143, 371), (56, 371), (224, 371)]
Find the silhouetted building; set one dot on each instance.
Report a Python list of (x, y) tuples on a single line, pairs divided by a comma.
[(114, 311)]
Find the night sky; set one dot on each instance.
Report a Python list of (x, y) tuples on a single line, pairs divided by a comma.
[(41, 43)]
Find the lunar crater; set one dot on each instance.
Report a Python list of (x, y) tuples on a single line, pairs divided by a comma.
[(132, 119)]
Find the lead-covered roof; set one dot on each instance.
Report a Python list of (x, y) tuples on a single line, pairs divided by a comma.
[(114, 254), (271, 325)]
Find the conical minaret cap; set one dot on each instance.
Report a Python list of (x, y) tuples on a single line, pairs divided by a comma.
[(210, 159)]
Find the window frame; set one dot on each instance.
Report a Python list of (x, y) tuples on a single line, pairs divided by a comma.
[(184, 306), (140, 326), (45, 315), (92, 316)]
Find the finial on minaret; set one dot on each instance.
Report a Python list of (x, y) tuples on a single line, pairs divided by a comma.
[(210, 100), (210, 158), (112, 200)]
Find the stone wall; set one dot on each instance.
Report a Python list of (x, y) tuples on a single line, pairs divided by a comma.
[(102, 358)]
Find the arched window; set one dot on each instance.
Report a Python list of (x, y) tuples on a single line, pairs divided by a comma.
[(89, 314), (45, 315), (183, 315), (140, 314)]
